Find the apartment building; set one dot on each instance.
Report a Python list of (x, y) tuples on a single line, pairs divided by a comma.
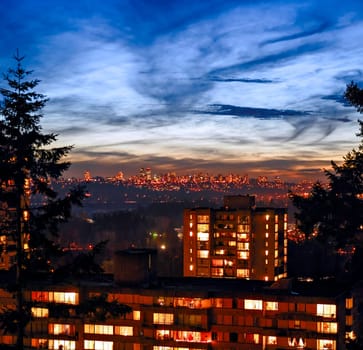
[(193, 313), (9, 238), (236, 241)]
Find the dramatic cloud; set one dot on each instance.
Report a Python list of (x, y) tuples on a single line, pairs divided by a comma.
[(217, 86)]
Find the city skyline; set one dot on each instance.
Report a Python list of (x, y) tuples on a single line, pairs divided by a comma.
[(219, 86)]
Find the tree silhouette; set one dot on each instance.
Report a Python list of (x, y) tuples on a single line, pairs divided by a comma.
[(334, 212), (28, 164)]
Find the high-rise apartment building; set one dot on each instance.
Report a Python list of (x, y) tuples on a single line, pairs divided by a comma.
[(236, 241)]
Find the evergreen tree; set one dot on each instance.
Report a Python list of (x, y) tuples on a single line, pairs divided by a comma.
[(334, 212), (28, 164), (354, 95)]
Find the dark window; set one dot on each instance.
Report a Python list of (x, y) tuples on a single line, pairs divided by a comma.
[(233, 337)]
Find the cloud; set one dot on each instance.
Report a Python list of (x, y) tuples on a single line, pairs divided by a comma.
[(317, 28), (271, 60), (242, 80), (260, 113), (338, 97), (215, 84)]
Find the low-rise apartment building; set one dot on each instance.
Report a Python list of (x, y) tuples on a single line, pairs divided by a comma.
[(194, 313)]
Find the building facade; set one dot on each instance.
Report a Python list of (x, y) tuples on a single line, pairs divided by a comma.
[(236, 241), (187, 313), (14, 221)]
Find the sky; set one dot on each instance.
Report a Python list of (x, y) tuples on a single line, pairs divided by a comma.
[(218, 86)]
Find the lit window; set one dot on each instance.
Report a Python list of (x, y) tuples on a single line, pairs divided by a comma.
[(327, 327), (191, 234), (244, 228), (243, 246), (349, 303), (216, 271), (161, 318), (252, 304), (297, 343), (266, 252), (203, 228), (350, 335), (39, 343), (349, 320), (217, 262), (203, 236), (57, 297), (162, 334), (66, 297), (252, 338), (324, 344), (136, 315), (98, 329), (124, 330), (61, 329), (204, 254), (98, 345), (26, 215), (190, 336), (326, 310), (267, 217), (271, 340), (244, 255), (40, 296), (271, 305), (243, 273), (40, 312), (228, 262), (203, 219), (191, 267), (242, 236), (266, 234), (55, 344)]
